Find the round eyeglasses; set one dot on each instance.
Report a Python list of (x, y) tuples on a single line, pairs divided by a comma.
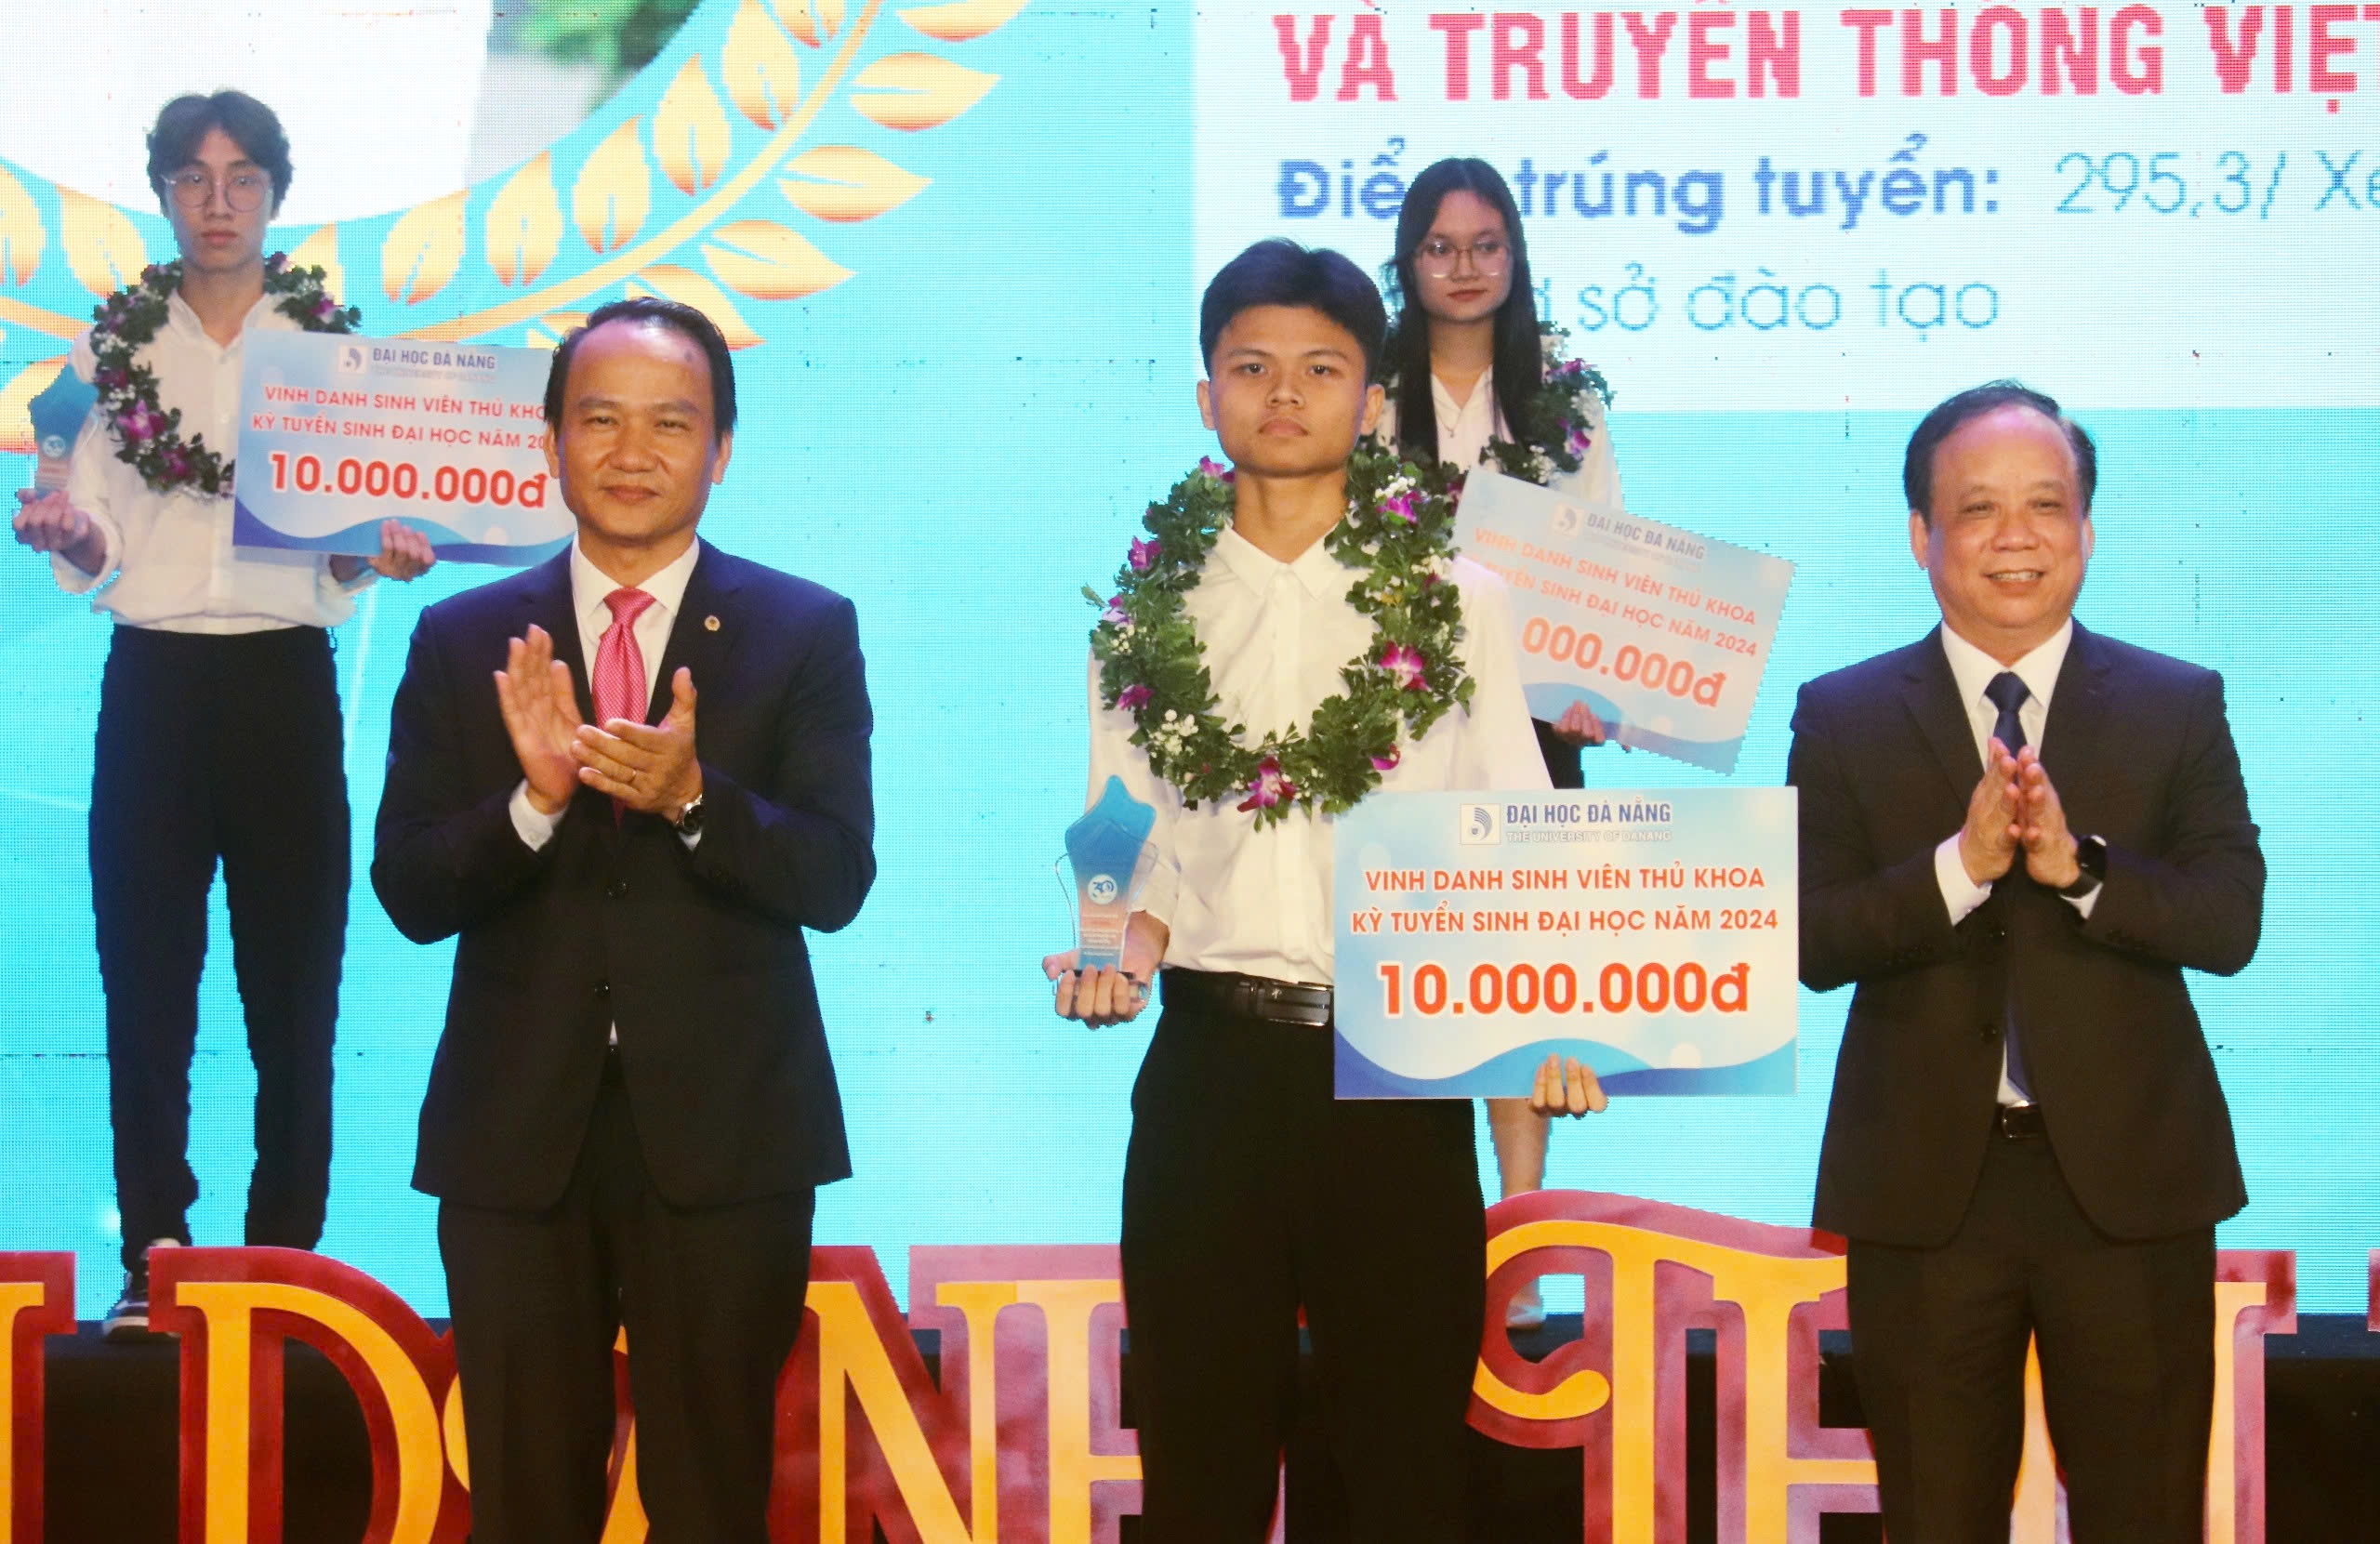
[(245, 192), (1439, 258)]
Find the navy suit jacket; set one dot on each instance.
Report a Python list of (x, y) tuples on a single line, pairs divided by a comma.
[(697, 956), (2140, 752)]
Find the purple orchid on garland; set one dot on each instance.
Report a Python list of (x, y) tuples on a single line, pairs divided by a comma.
[(1268, 789), (1405, 667)]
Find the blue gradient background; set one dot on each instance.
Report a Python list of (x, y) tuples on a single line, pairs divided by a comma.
[(960, 437)]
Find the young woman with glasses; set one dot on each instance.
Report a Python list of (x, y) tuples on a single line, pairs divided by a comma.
[(1474, 379)]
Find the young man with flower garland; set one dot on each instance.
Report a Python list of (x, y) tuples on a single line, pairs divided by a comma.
[(219, 726), (1295, 632), (1472, 381)]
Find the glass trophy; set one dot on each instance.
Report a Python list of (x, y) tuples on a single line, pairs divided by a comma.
[(57, 414), (1110, 853)]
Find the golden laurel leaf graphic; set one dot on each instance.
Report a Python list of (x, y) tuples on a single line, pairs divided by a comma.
[(614, 191), (690, 130), (103, 248), (687, 287), (844, 183), (524, 224), (914, 91), (16, 405), (768, 261), (424, 249), (813, 21), (321, 250), (964, 20), (22, 234), (762, 72)]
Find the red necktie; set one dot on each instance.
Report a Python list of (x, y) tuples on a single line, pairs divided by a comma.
[(619, 665)]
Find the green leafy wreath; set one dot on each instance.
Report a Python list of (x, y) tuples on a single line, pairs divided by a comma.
[(1400, 532), (148, 436)]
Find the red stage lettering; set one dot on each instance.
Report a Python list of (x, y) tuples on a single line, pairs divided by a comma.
[(1018, 1441), (36, 1299)]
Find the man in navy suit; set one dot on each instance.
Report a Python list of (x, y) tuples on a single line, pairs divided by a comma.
[(632, 1101), (2016, 836)]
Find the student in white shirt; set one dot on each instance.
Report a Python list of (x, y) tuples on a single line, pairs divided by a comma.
[(1250, 1192), (1466, 362), (219, 728)]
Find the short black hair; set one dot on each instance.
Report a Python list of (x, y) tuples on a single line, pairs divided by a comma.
[(1280, 272), (1917, 466), (185, 121), (652, 311)]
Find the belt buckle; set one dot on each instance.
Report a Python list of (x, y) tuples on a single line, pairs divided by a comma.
[(2021, 1122)]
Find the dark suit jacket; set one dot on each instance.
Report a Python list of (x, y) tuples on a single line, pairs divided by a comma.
[(697, 956), (2141, 754)]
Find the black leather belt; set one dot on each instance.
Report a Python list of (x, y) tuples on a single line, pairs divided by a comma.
[(2021, 1122), (1274, 1002)]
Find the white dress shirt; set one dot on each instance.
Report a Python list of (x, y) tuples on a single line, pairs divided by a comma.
[(172, 556), (1974, 671), (589, 585), (1464, 429), (1275, 635)]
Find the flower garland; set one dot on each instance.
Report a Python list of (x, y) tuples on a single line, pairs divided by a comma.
[(1556, 426), (148, 436), (1400, 532)]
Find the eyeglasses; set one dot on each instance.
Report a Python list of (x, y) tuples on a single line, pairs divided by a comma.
[(245, 192), (1489, 256)]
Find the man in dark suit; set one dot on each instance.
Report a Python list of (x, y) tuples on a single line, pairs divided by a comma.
[(2016, 834), (632, 1101)]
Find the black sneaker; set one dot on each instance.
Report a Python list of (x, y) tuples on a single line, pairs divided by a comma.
[(128, 1320)]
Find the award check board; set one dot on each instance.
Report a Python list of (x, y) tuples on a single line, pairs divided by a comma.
[(1658, 631), (1651, 933), (338, 433)]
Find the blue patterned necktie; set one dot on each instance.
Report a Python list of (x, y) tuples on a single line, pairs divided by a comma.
[(2008, 693)]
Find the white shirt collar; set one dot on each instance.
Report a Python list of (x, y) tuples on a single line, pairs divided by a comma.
[(1974, 669), (1322, 575), (184, 320), (1447, 407), (589, 584)]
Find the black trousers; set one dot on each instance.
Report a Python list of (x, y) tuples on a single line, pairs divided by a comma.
[(219, 748), (712, 1301), (1250, 1192), (2127, 1349)]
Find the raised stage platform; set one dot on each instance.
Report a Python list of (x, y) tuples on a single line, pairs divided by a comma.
[(112, 1461)]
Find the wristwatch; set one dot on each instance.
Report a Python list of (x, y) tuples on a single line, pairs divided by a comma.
[(688, 822), (2091, 857)]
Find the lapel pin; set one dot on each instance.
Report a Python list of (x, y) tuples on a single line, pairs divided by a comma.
[(711, 623)]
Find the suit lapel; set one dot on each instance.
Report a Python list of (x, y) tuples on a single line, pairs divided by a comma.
[(1931, 693), (2073, 738), (552, 607), (704, 635)]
